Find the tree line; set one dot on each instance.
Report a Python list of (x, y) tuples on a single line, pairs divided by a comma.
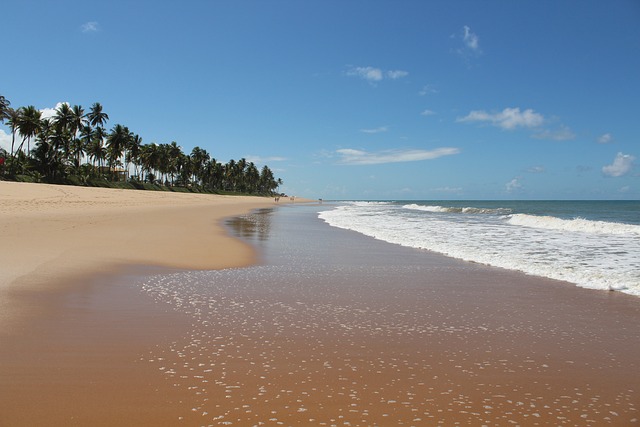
[(74, 146)]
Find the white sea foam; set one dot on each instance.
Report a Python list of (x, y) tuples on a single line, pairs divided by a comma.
[(454, 209), (591, 254), (577, 224)]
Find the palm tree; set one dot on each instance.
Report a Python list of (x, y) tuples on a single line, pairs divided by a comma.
[(96, 117), (77, 150), (229, 175), (116, 144), (184, 168), (173, 154), (4, 108), (97, 151), (86, 136), (45, 153), (64, 117), (241, 166), (29, 125), (268, 183), (252, 178), (13, 122), (63, 120), (149, 154), (78, 120), (133, 155), (199, 159), (162, 162)]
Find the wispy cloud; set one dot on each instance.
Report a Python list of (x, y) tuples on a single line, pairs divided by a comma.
[(349, 156), (470, 43), (470, 39), (509, 118), (397, 74), (374, 75), (90, 27), (536, 169), (622, 165), (513, 186), (427, 89), (375, 130), (561, 134), (606, 138), (369, 74), (427, 113)]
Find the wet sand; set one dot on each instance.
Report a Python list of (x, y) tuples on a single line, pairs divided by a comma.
[(330, 328), (340, 329)]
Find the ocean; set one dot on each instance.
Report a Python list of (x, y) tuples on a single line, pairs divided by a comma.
[(593, 244)]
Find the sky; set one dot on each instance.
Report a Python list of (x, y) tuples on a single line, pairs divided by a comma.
[(353, 99)]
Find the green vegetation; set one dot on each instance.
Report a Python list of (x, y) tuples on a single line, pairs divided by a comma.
[(74, 147)]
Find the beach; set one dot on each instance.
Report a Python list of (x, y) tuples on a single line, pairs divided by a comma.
[(58, 240), (300, 324)]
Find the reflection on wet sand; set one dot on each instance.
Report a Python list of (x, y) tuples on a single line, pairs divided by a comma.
[(252, 227)]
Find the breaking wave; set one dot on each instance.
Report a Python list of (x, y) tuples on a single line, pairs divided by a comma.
[(451, 209), (576, 224)]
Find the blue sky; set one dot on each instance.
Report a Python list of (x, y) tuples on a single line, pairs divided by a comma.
[(356, 99)]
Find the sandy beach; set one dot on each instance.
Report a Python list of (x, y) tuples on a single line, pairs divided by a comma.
[(57, 240), (320, 326), (51, 233)]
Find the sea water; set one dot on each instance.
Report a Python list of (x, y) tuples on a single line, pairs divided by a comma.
[(593, 244)]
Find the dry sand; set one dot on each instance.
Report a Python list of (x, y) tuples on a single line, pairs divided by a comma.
[(50, 233)]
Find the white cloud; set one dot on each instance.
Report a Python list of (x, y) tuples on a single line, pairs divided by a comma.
[(470, 39), (470, 43), (536, 169), (622, 164), (513, 185), (561, 134), (48, 113), (5, 140), (427, 89), (624, 189), (90, 27), (376, 130), (397, 74), (349, 156), (509, 118), (368, 73), (374, 75), (606, 138), (428, 113)]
